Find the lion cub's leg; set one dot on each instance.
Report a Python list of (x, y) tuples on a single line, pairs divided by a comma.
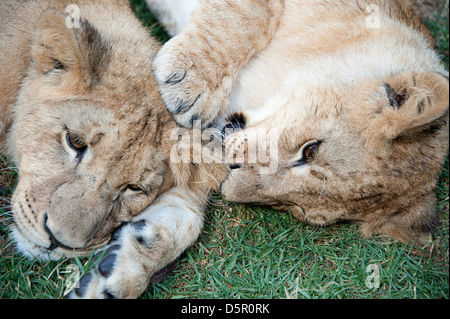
[(147, 244), (196, 69)]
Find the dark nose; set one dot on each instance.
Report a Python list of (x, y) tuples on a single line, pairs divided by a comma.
[(236, 122), (235, 166)]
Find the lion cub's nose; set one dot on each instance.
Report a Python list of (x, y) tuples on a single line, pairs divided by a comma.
[(236, 122), (54, 243)]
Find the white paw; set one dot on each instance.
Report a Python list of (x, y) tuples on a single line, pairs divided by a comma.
[(124, 270)]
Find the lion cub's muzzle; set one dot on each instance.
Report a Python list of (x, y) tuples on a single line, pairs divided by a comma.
[(55, 243), (61, 225)]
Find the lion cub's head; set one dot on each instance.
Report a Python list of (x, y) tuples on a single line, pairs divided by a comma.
[(369, 152), (87, 137)]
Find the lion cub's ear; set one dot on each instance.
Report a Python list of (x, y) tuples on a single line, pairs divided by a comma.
[(413, 106), (78, 50)]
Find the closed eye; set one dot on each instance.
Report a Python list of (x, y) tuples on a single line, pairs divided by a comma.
[(136, 189)]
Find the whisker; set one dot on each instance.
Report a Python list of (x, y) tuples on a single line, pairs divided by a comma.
[(6, 199), (323, 188), (215, 203), (7, 219)]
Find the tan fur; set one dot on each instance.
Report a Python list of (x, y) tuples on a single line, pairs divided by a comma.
[(94, 82), (205, 82), (375, 97)]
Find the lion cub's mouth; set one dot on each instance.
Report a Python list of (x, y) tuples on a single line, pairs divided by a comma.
[(34, 239), (53, 252)]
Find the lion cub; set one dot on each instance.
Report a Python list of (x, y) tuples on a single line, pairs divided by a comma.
[(82, 118), (346, 100)]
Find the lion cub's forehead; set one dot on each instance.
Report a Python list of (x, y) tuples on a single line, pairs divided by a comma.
[(89, 120), (95, 122)]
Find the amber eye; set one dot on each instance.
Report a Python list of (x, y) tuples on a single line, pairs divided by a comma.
[(76, 143), (308, 152)]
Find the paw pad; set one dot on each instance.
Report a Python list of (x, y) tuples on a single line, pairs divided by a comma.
[(106, 265)]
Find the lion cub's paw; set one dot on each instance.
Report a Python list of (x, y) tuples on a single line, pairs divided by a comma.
[(191, 90), (93, 285), (121, 272)]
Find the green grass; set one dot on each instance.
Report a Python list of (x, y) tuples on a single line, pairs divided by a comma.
[(141, 10), (255, 252), (251, 252)]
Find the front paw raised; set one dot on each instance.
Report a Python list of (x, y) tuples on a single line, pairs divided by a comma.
[(192, 88)]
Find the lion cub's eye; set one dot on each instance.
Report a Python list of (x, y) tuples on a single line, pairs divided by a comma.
[(76, 143), (308, 151), (134, 188), (137, 189)]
